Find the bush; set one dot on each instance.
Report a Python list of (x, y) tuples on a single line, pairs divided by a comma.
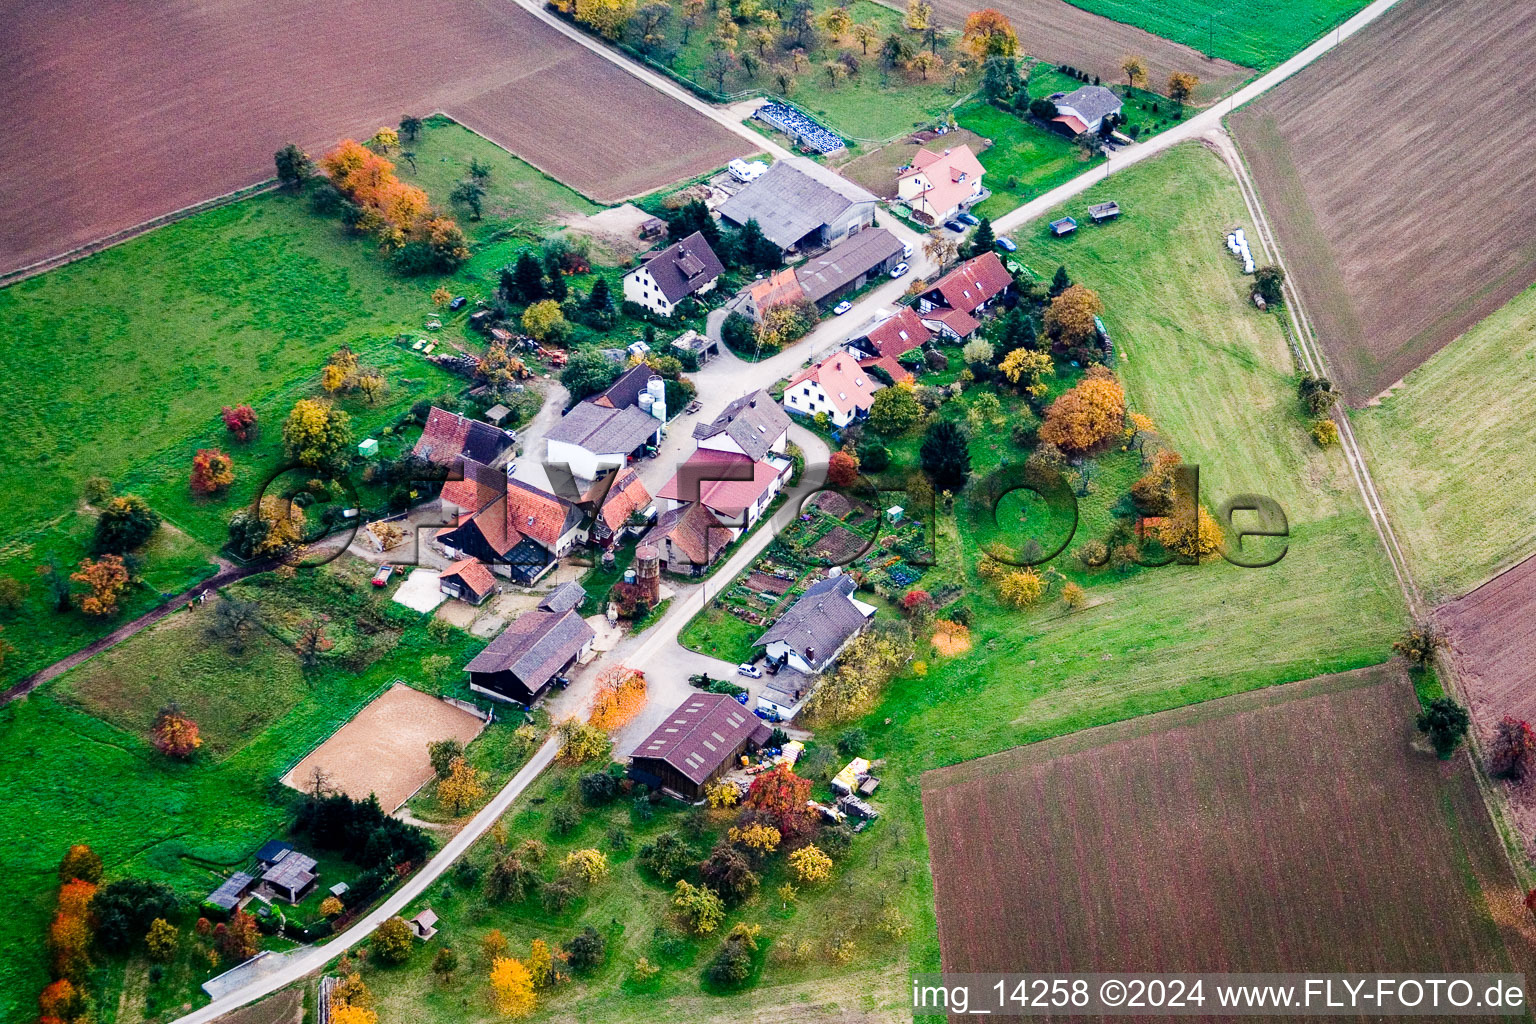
[(599, 788), (732, 964), (586, 949), (125, 909), (1445, 722), (667, 856), (557, 895), (851, 742), (564, 819)]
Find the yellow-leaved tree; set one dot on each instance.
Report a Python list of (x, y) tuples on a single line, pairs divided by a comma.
[(461, 788), (1088, 415), (1022, 588), (607, 16), (810, 864), (1192, 535), (512, 988), (1069, 318)]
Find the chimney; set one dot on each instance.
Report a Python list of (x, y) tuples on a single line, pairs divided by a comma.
[(810, 655)]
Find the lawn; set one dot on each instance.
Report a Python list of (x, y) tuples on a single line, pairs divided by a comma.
[(720, 634), (97, 780), (1449, 449), (1256, 35), (132, 352), (1023, 161)]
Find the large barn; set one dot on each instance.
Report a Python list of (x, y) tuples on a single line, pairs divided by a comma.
[(697, 742)]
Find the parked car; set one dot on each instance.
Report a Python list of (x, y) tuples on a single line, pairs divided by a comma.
[(955, 226), (841, 308), (968, 219), (1006, 244), (750, 671), (906, 250), (899, 269), (382, 576)]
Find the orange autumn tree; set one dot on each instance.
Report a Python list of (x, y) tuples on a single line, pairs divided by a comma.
[(989, 34), (1087, 415), (779, 797), (106, 579), (399, 215), (620, 696), (174, 734), (212, 471)]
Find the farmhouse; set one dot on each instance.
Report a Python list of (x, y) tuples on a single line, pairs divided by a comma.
[(471, 488), (468, 580), (591, 438), (684, 268), (953, 306), (290, 877), (626, 392), (844, 268), (689, 538), (449, 438), (1084, 109), (809, 636), (837, 386), (538, 646), (696, 743), (611, 506), (890, 339), (752, 425), (780, 288), (519, 535), (799, 204), (736, 488), (937, 186)]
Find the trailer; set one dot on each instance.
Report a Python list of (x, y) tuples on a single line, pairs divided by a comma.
[(1064, 226), (1101, 212)]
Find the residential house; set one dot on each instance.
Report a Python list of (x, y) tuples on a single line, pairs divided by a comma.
[(799, 204), (886, 342), (937, 186), (626, 391), (780, 288), (468, 579), (689, 538), (684, 268), (954, 304), (696, 744), (591, 438), (1083, 109), (827, 277), (611, 502), (470, 488), (736, 488), (520, 534), (449, 438), (813, 632), (837, 386), (784, 694), (290, 877), (752, 425), (521, 663)]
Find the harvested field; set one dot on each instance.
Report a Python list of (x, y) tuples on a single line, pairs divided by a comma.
[(383, 749), (118, 115), (1056, 31), (1297, 827), (1394, 206), (1492, 636)]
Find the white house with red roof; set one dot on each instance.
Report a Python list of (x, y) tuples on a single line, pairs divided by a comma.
[(954, 304), (736, 488), (1083, 109), (890, 339), (939, 185), (837, 386)]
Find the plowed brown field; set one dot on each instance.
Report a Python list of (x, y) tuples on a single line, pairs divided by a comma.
[(1492, 633), (1293, 828), (118, 113), (1401, 207), (1062, 34)]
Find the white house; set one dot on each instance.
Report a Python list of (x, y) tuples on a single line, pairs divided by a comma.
[(939, 185), (814, 631), (591, 439), (753, 425), (837, 386), (688, 267), (1084, 109), (736, 488)]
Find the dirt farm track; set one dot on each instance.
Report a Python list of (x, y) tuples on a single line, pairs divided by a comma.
[(1296, 827), (116, 113), (1402, 212)]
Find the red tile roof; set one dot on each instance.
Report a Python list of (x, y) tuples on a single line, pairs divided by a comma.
[(973, 282), (448, 436), (473, 574), (480, 486), (729, 497), (898, 372), (777, 288), (950, 175), (1072, 122), (846, 385), (694, 530), (957, 320), (900, 334), (538, 514), (490, 523), (626, 497)]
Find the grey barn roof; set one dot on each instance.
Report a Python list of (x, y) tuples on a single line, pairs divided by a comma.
[(227, 895), (753, 421), (684, 267), (792, 199), (842, 264), (604, 431), (293, 872), (700, 735), (822, 620), (564, 597), (1091, 102), (534, 647)]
